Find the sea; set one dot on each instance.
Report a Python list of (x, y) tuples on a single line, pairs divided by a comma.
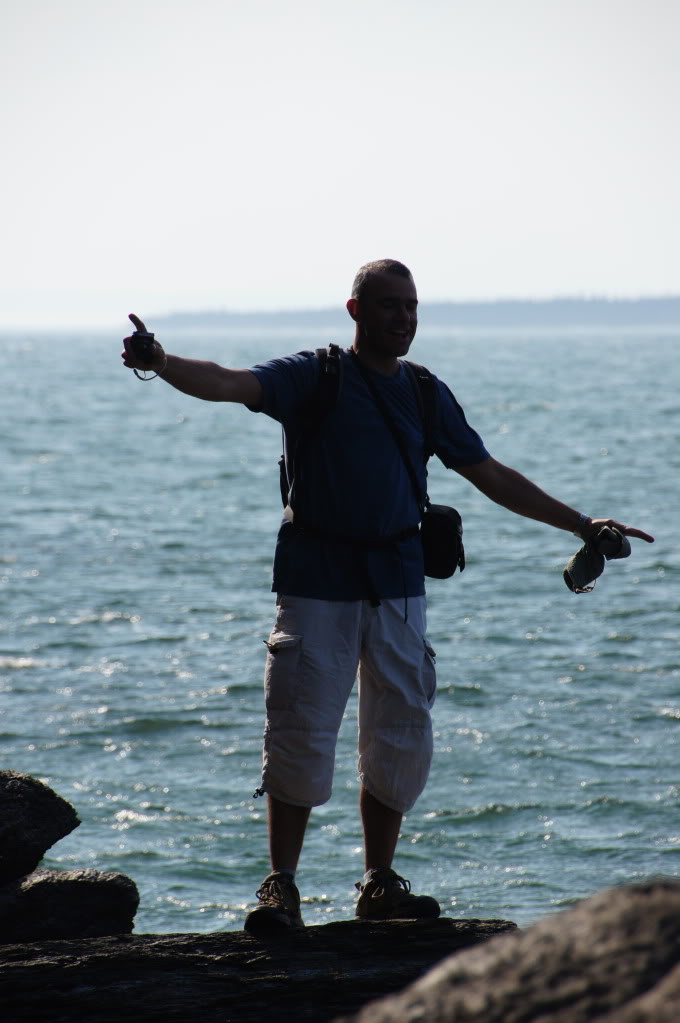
[(136, 541)]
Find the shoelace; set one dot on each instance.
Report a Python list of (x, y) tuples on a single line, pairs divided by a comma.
[(274, 891), (379, 892), (268, 890)]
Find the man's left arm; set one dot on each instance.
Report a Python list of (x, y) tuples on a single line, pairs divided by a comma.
[(510, 489)]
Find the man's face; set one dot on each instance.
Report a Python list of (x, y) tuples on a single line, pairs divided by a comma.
[(387, 314)]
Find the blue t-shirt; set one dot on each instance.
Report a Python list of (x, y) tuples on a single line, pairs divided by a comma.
[(353, 481)]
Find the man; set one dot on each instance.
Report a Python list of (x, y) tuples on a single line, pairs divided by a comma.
[(348, 573)]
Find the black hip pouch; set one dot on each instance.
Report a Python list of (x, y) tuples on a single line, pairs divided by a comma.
[(441, 534)]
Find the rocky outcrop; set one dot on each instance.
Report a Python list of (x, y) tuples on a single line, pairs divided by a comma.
[(32, 819), (661, 1004), (614, 958), (311, 975), (37, 905), (51, 904)]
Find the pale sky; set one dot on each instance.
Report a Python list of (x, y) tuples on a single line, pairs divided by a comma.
[(164, 155)]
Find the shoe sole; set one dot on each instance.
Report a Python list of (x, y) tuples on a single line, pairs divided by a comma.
[(400, 916), (427, 913), (265, 923)]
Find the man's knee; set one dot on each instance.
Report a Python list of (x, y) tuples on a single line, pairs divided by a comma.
[(298, 765), (394, 764)]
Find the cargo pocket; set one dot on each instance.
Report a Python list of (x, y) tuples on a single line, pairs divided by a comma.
[(429, 673), (282, 674)]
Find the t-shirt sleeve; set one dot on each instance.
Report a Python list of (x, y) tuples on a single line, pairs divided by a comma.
[(456, 443), (287, 383)]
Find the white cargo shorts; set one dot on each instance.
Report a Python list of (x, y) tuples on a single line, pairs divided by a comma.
[(314, 651)]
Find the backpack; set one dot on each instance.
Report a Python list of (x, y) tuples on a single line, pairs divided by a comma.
[(326, 398)]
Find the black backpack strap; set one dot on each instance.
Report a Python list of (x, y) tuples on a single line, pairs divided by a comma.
[(321, 404), (427, 395), (328, 389)]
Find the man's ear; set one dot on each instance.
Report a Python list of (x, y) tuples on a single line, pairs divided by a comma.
[(353, 307)]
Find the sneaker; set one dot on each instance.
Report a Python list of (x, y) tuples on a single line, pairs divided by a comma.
[(386, 896), (279, 909)]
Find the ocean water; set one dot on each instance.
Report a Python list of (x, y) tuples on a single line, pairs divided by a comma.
[(136, 538)]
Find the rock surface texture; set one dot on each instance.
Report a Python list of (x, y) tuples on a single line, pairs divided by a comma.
[(310, 976), (50, 904), (37, 905), (614, 958), (32, 819)]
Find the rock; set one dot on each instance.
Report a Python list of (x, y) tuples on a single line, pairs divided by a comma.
[(51, 904), (613, 958), (32, 818), (309, 976), (39, 905), (660, 1005)]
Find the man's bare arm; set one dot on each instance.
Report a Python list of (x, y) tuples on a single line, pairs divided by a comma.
[(510, 489), (211, 382), (206, 380)]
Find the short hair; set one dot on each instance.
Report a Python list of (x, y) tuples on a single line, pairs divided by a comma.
[(378, 266)]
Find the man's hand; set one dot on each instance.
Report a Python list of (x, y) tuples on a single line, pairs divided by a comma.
[(596, 525), (131, 360), (510, 489), (205, 380)]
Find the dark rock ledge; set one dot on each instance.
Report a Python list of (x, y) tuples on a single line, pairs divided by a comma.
[(312, 975), (614, 958)]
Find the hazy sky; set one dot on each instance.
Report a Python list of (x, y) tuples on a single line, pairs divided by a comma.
[(165, 154)]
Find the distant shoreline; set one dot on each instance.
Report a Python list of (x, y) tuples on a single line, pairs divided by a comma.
[(558, 312)]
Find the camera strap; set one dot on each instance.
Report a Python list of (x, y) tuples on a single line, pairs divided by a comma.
[(421, 495)]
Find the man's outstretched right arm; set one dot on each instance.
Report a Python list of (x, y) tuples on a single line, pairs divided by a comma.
[(206, 380)]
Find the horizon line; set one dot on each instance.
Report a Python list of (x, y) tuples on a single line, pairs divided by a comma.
[(502, 300), (663, 309)]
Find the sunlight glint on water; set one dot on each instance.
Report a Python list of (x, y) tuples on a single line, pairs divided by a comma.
[(135, 553)]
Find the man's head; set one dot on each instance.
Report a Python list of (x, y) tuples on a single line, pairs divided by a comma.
[(369, 271), (384, 306)]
